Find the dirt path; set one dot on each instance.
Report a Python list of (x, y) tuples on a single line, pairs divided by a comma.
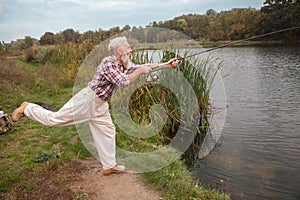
[(118, 186), (81, 180)]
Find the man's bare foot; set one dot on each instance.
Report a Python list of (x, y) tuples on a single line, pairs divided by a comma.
[(19, 112)]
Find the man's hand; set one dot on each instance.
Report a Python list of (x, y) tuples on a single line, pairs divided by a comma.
[(155, 67), (173, 62)]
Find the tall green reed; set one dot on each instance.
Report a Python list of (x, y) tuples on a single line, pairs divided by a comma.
[(200, 73)]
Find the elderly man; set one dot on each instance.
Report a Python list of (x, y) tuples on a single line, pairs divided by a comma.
[(90, 104)]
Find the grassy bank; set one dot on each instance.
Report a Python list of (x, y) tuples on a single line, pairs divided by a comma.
[(32, 147)]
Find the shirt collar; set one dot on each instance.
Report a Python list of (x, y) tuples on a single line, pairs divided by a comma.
[(120, 66)]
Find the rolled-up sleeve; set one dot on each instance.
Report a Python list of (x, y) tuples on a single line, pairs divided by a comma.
[(133, 68)]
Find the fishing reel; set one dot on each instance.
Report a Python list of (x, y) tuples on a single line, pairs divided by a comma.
[(152, 77)]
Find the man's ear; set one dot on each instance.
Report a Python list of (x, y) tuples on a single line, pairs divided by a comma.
[(119, 51)]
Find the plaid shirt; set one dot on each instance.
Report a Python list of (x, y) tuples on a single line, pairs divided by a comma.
[(110, 75)]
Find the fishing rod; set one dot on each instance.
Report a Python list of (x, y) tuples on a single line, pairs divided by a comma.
[(155, 77), (239, 41)]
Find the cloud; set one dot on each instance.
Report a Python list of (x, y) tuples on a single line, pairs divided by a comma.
[(104, 5), (34, 17), (186, 1), (31, 1)]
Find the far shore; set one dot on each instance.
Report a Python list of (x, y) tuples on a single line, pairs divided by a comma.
[(210, 44)]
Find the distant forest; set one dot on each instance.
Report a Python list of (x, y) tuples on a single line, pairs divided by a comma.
[(238, 23)]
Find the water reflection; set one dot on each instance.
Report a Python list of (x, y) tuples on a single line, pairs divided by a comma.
[(259, 153)]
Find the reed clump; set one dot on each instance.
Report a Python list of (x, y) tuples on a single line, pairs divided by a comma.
[(199, 74)]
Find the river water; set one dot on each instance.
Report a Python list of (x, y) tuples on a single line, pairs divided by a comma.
[(258, 153)]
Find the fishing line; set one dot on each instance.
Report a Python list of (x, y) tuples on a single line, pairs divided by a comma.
[(239, 41)]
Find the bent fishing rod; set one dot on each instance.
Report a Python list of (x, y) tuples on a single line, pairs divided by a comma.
[(239, 41)]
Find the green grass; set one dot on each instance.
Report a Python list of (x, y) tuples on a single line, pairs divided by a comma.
[(29, 139), (20, 147), (175, 181)]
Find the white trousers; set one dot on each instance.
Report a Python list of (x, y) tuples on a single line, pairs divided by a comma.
[(85, 106)]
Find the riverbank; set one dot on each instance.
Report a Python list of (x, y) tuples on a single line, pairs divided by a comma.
[(249, 43), (212, 44)]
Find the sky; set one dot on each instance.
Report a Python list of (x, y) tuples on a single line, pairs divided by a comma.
[(20, 18)]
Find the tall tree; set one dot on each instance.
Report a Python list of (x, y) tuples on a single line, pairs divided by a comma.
[(71, 36), (114, 31), (2, 49), (280, 14), (48, 38), (126, 28), (89, 36), (211, 13), (28, 42)]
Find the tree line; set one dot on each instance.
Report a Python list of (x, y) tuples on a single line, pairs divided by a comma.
[(240, 23), (235, 24)]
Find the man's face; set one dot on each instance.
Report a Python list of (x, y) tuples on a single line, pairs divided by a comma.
[(126, 53), (126, 49)]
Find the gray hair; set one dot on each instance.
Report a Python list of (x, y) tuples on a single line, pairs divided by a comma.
[(116, 43)]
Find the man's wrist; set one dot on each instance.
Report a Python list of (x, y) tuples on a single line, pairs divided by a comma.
[(140, 70)]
